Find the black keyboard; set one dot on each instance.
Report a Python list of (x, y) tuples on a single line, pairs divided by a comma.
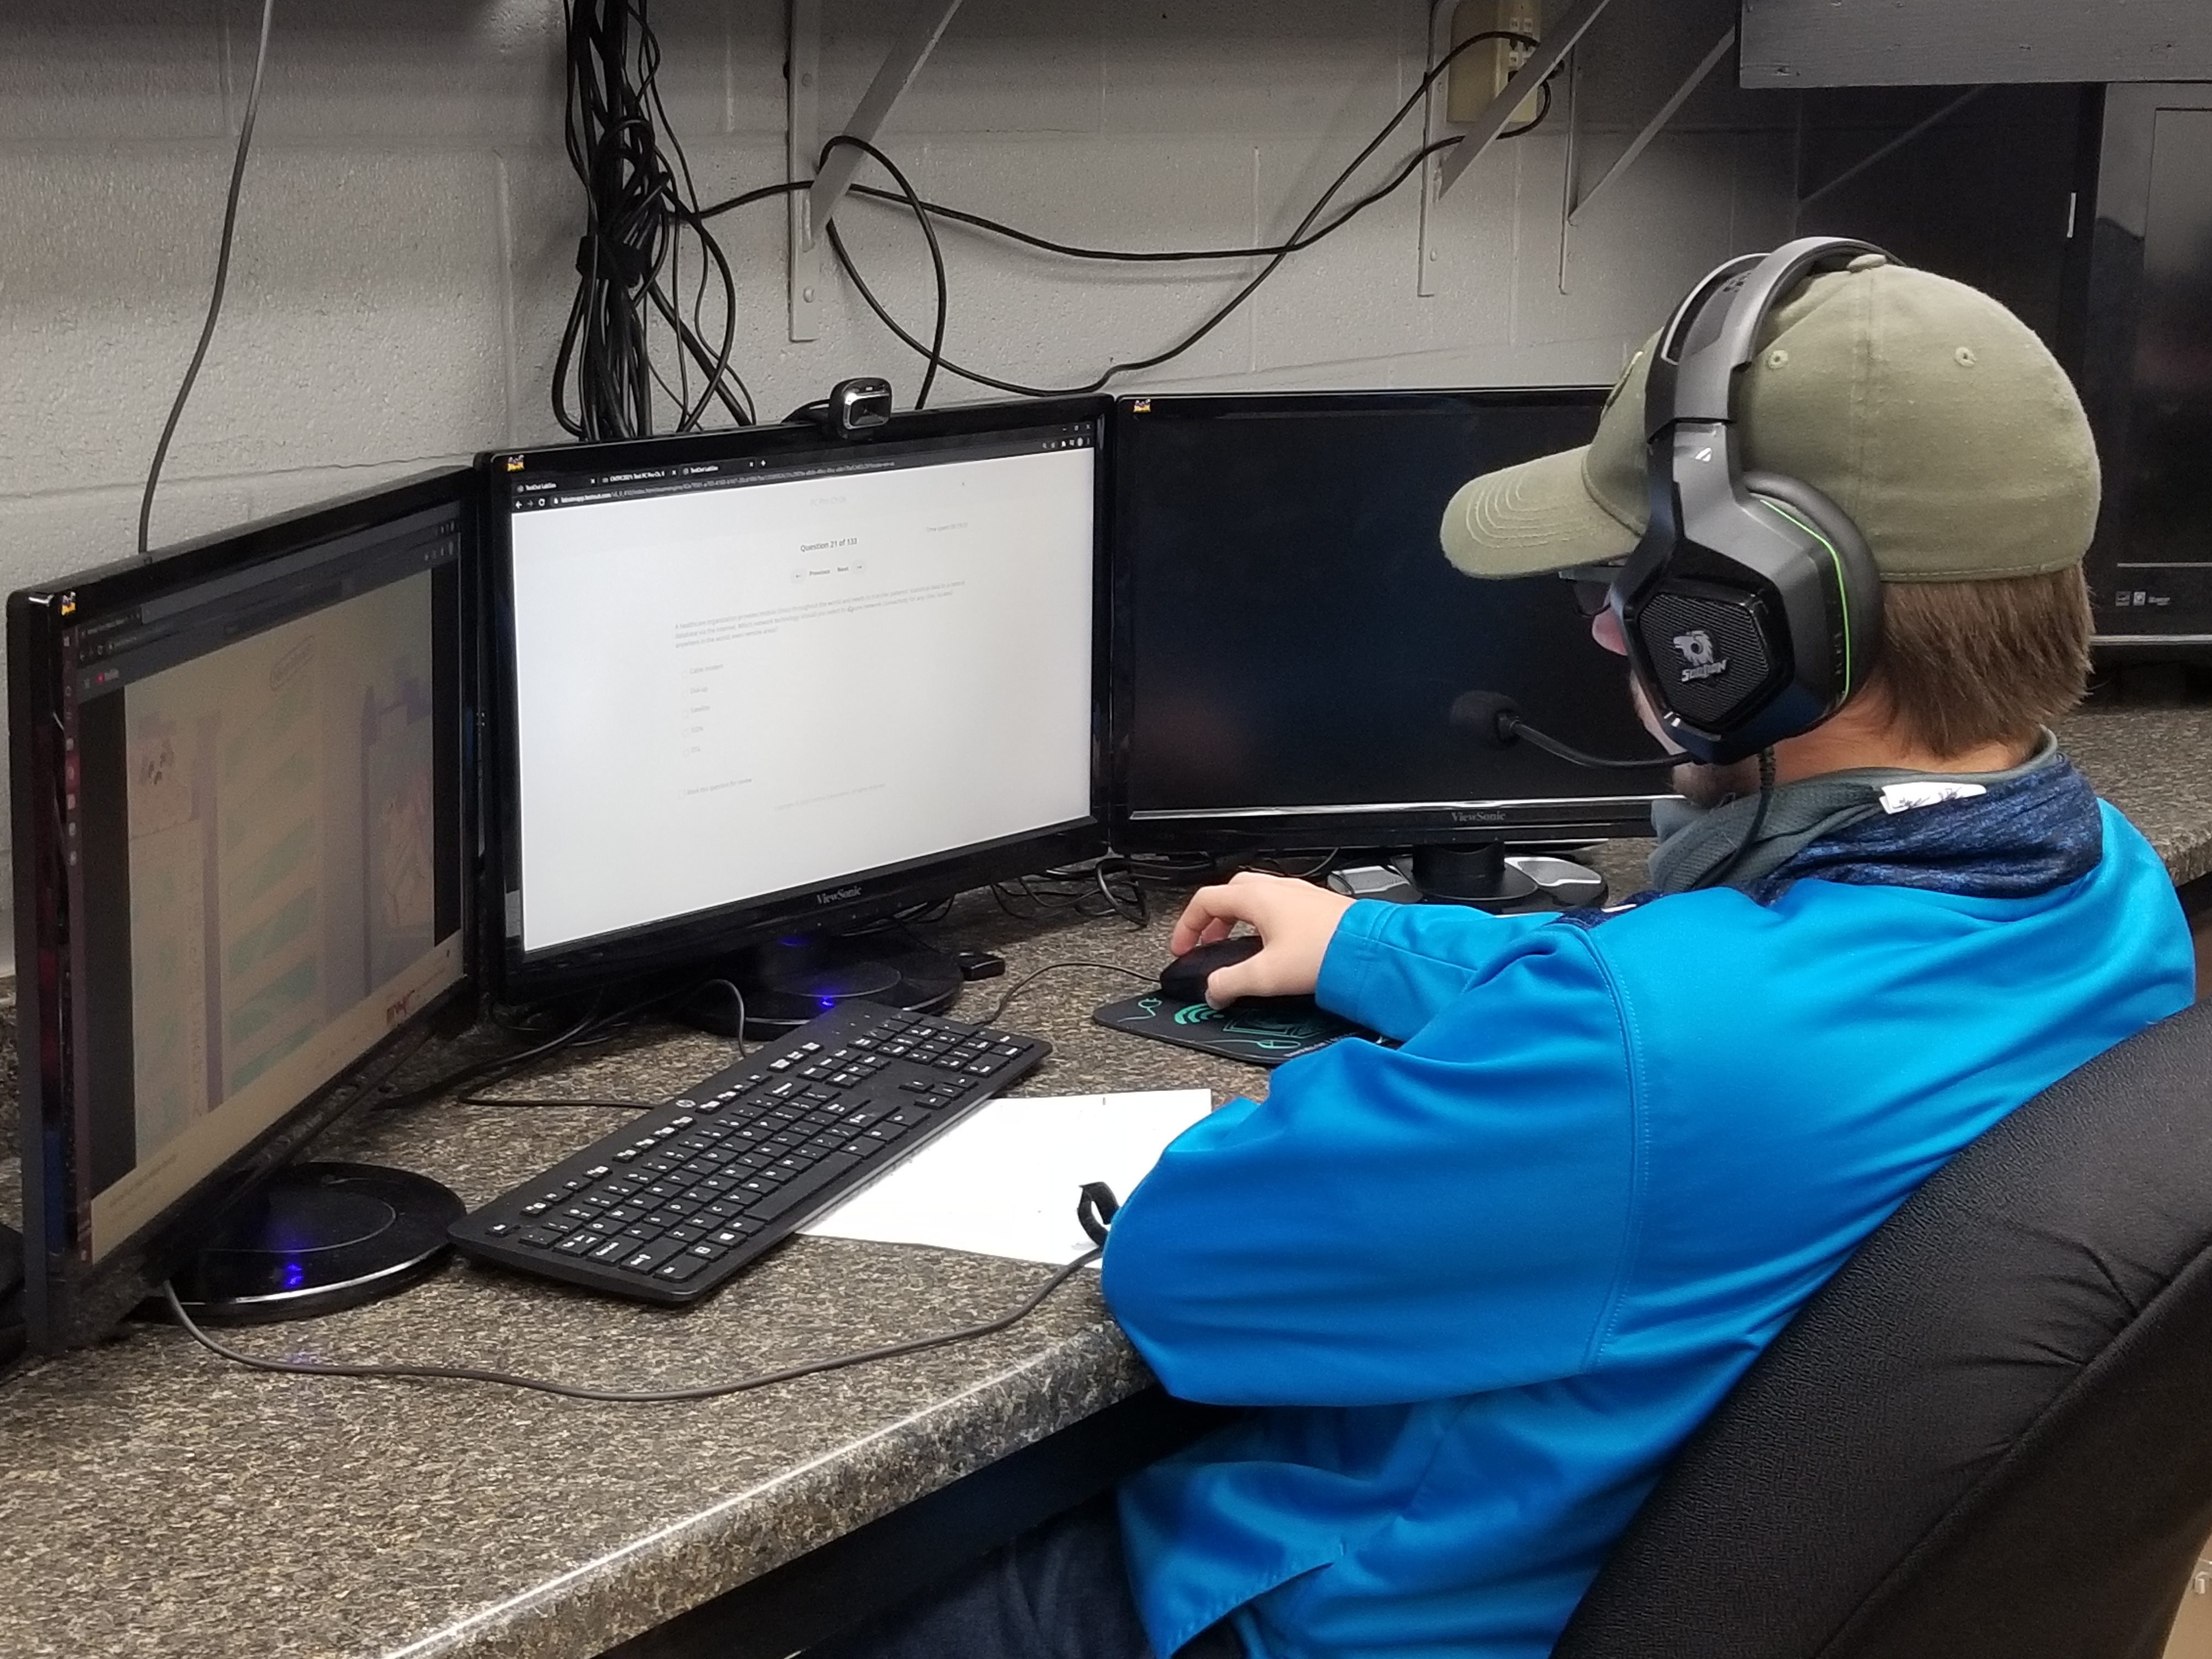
[(673, 1204)]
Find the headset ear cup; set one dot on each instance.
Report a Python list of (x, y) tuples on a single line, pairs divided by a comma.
[(1861, 580)]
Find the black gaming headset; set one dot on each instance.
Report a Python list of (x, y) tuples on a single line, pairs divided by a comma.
[(1752, 607)]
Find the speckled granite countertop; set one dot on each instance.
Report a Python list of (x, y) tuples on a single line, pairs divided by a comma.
[(160, 1501), (2155, 765)]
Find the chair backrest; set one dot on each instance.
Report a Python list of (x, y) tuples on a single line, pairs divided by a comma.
[(1989, 1435)]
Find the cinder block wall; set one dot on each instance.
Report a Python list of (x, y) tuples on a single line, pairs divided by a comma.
[(405, 248)]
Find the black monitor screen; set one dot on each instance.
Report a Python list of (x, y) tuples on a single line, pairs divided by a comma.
[(256, 804), (1290, 637)]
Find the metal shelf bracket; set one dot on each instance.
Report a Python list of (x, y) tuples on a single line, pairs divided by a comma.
[(924, 27), (802, 74), (1559, 40), (1442, 171), (1652, 128), (1894, 145)]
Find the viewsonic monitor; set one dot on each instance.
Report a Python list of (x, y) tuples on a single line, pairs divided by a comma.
[(1288, 637), (756, 690), (241, 838)]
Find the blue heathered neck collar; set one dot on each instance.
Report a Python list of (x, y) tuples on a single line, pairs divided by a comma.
[(2027, 835), (2031, 830)]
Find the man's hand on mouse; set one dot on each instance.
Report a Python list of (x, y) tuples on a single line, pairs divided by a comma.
[(1295, 920)]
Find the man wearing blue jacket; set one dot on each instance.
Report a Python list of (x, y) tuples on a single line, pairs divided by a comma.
[(1482, 1286)]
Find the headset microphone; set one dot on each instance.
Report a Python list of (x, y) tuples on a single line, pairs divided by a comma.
[(1494, 720)]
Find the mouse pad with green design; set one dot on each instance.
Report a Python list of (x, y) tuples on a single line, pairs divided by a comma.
[(1259, 1030)]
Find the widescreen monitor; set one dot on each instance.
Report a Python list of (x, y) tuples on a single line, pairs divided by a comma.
[(1288, 637), (241, 843), (769, 685)]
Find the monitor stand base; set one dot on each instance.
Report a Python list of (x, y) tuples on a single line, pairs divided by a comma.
[(1475, 873), (788, 981), (317, 1237)]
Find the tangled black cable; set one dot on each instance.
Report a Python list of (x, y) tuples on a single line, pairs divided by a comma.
[(933, 353), (1086, 890), (640, 208)]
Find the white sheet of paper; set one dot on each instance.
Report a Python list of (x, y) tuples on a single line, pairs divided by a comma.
[(1004, 1181)]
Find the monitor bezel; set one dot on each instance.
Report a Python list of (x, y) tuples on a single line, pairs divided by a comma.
[(648, 950), (1256, 830), (69, 1301)]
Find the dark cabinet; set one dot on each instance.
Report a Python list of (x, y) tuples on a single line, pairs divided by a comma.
[(2146, 370), (2088, 210)]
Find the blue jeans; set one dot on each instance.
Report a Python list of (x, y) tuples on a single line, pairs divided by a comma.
[(1058, 1591)]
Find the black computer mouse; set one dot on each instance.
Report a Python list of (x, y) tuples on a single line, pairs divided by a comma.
[(1184, 979)]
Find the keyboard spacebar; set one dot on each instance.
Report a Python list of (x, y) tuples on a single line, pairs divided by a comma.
[(801, 1187)]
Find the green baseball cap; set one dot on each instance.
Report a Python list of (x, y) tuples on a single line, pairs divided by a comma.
[(1926, 410)]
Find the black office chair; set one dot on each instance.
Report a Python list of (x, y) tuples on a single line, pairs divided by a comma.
[(1990, 1436)]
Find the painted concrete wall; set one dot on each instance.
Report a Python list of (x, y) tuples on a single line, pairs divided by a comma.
[(406, 243)]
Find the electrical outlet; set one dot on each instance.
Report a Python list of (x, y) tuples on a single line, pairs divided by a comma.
[(1480, 74)]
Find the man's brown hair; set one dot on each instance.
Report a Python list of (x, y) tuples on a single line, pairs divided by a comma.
[(1965, 663)]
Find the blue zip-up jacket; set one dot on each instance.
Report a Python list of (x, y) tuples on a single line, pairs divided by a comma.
[(1487, 1283)]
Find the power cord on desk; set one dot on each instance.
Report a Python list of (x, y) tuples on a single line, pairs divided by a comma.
[(1080, 889), (221, 279), (634, 1396), (923, 916), (593, 1028), (1173, 869), (737, 996), (1313, 870), (505, 1065), (1031, 978), (1129, 905)]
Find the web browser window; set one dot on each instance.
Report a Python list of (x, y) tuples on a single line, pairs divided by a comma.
[(742, 682)]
